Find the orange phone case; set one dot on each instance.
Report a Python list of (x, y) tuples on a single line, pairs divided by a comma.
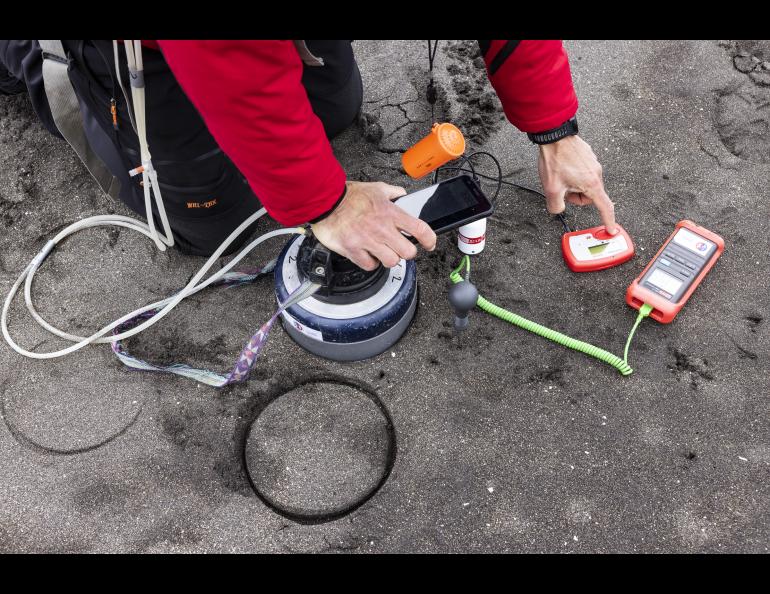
[(663, 310)]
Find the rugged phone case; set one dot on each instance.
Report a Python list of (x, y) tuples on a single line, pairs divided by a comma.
[(665, 311)]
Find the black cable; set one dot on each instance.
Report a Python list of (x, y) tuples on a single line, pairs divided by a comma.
[(476, 176), (432, 55), (431, 92), (465, 159), (501, 181), (499, 171)]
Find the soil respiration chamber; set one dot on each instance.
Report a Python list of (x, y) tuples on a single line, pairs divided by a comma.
[(357, 314)]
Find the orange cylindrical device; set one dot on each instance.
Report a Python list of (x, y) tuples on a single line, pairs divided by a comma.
[(444, 143)]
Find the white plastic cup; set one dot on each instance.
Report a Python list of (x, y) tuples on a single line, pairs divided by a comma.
[(472, 238)]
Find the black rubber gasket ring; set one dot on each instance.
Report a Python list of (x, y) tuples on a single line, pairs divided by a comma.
[(327, 516)]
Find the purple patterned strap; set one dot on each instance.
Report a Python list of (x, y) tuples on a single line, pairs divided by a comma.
[(246, 358)]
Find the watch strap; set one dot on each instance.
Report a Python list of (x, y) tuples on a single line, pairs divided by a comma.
[(568, 128)]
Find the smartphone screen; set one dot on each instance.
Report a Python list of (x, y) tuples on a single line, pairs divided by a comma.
[(448, 204)]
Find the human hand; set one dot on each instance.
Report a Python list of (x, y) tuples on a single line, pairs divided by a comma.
[(569, 170), (366, 227)]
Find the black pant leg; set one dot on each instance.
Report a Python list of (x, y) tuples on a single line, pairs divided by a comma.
[(9, 84), (335, 90), (23, 61)]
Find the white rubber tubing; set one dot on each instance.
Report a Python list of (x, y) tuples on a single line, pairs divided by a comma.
[(149, 175), (165, 305), (75, 338)]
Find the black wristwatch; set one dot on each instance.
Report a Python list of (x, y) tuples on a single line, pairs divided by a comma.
[(568, 128)]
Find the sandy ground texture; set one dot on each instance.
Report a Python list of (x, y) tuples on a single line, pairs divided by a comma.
[(505, 442)]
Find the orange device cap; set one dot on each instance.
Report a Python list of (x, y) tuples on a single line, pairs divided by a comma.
[(444, 143), (451, 139)]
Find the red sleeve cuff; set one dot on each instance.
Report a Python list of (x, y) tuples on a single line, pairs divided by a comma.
[(534, 83), (299, 212), (541, 124)]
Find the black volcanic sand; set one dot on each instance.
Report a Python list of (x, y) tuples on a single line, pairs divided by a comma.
[(318, 449), (506, 442)]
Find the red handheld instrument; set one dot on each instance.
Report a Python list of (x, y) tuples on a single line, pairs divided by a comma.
[(595, 249), (667, 282)]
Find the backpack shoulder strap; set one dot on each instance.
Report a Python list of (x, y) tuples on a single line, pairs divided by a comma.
[(65, 110)]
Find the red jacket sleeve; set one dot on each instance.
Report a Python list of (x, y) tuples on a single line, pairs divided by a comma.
[(534, 83), (252, 99)]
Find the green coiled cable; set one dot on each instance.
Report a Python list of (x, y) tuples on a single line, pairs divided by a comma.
[(620, 364)]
